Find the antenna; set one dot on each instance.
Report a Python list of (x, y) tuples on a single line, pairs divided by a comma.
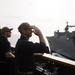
[(67, 27)]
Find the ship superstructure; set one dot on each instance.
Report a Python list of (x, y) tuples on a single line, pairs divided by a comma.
[(63, 43)]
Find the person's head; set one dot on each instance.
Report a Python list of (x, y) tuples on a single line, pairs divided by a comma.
[(6, 31), (25, 29)]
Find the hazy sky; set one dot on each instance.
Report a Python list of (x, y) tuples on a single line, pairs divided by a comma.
[(48, 15)]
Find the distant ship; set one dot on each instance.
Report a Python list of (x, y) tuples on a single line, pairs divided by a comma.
[(62, 44), (61, 61)]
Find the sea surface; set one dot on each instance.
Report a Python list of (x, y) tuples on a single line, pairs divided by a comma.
[(13, 39)]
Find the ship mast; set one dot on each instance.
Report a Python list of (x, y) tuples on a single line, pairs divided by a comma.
[(67, 27)]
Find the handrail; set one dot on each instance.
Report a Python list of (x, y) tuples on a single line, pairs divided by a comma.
[(64, 61)]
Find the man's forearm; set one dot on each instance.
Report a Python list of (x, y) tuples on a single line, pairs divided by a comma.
[(41, 39)]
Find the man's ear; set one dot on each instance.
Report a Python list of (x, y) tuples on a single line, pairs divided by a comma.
[(23, 31)]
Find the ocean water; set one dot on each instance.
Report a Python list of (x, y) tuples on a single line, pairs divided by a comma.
[(13, 39)]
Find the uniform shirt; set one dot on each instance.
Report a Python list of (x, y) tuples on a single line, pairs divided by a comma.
[(25, 53), (4, 47)]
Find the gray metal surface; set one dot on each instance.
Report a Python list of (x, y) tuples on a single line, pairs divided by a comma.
[(62, 45)]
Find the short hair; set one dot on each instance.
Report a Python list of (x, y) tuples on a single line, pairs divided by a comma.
[(24, 25)]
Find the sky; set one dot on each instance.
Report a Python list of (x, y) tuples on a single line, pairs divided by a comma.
[(48, 15)]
